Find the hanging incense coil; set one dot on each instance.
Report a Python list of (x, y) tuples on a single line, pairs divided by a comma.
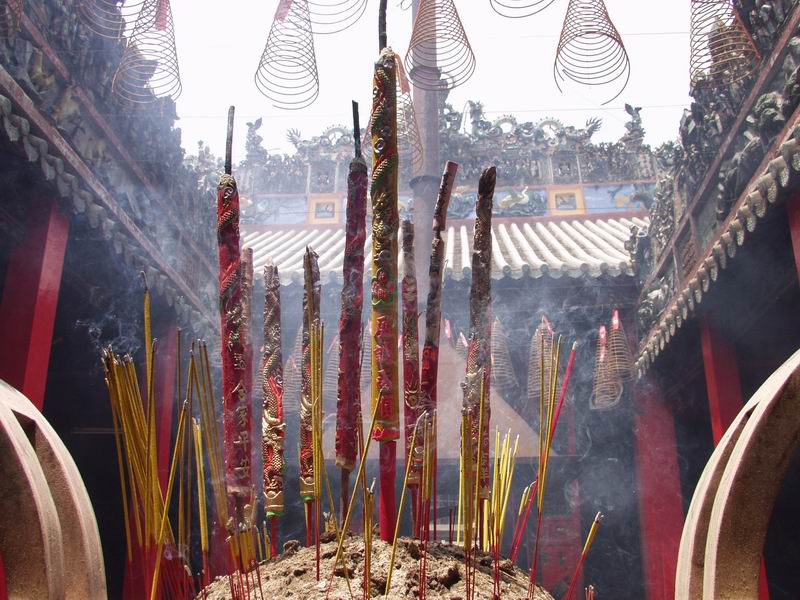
[(293, 375), (333, 16), (330, 379), (722, 50), (607, 389), (287, 72), (619, 351), (439, 55), (590, 49), (502, 370), (366, 352), (409, 141), (541, 344), (108, 18), (518, 9), (10, 17), (149, 66)]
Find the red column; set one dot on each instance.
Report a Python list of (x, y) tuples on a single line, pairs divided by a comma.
[(660, 504), (793, 212), (724, 387), (30, 298), (3, 584)]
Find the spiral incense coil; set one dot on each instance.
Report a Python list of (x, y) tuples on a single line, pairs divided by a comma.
[(292, 374), (518, 9), (333, 16), (287, 73), (502, 370), (404, 4), (590, 49), (541, 343), (607, 389), (439, 55), (149, 66), (108, 18), (618, 350), (10, 17), (409, 141), (722, 51)]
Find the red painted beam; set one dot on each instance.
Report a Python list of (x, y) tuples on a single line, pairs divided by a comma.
[(30, 298), (660, 503), (724, 390)]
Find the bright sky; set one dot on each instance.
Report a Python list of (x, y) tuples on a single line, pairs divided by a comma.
[(220, 43)]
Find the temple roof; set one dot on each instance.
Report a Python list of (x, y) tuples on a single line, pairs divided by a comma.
[(521, 247)]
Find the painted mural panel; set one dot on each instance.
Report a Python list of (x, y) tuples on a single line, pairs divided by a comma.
[(618, 196), (508, 202), (275, 210)]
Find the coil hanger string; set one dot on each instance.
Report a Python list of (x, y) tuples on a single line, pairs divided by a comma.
[(149, 66), (287, 72), (439, 55), (722, 50), (519, 9), (109, 18), (590, 49), (333, 16)]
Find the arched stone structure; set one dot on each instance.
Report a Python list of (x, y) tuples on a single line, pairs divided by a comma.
[(723, 537), (48, 534)]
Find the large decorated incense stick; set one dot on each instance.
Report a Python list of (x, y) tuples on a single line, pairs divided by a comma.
[(411, 393), (272, 424), (348, 401), (236, 380), (433, 309), (311, 298), (478, 374), (383, 191)]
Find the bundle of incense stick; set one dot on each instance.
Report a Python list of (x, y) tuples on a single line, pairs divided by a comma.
[(479, 353), (311, 298), (273, 427), (589, 539), (149, 530), (383, 192), (425, 495), (433, 310), (236, 378), (503, 473), (549, 412), (411, 404), (348, 403)]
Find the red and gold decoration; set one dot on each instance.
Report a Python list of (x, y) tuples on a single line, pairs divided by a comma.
[(273, 427), (311, 298), (236, 378), (348, 403), (385, 221), (411, 389)]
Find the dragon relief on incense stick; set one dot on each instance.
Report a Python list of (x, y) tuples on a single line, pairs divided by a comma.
[(411, 391), (348, 404), (273, 428), (234, 311), (478, 375), (311, 298), (383, 190)]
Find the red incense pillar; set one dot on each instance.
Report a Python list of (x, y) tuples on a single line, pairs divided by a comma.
[(724, 388), (660, 505), (30, 298)]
